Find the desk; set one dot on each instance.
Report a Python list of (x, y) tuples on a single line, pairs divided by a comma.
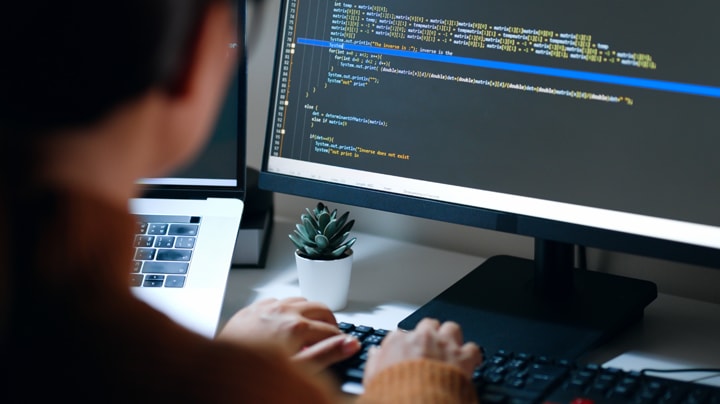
[(392, 278)]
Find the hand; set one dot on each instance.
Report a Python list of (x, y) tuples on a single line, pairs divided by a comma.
[(429, 340), (306, 331)]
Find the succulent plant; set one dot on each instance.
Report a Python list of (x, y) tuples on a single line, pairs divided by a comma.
[(322, 235)]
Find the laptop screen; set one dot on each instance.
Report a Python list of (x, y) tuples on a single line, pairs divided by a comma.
[(219, 169), (221, 162)]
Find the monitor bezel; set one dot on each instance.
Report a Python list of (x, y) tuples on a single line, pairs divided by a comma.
[(507, 222)]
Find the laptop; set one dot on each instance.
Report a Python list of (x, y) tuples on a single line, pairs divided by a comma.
[(188, 222)]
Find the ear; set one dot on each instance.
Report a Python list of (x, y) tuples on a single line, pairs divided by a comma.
[(212, 47)]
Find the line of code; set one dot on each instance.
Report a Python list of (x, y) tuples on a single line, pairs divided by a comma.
[(355, 22), (379, 27)]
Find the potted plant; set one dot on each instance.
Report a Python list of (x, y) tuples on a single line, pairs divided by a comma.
[(324, 255)]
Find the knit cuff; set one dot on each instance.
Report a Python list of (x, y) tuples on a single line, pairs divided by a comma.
[(421, 381)]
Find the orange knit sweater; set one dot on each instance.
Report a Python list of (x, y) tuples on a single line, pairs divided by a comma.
[(75, 332)]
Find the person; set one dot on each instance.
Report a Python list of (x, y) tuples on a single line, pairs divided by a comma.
[(93, 96)]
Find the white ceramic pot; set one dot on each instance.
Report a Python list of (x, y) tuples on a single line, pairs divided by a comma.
[(325, 281)]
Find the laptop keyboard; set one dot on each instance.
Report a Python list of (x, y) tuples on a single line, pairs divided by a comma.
[(520, 378), (163, 250)]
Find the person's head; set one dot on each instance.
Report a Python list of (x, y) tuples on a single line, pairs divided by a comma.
[(82, 76), (68, 64)]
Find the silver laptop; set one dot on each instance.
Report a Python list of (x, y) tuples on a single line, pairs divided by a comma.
[(188, 223)]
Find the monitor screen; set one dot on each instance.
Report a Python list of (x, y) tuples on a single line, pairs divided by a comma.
[(573, 123)]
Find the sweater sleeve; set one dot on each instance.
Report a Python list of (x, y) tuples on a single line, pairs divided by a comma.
[(421, 381)]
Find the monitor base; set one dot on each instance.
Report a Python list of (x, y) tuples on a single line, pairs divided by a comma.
[(499, 307)]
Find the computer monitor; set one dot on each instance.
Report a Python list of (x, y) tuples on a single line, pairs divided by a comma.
[(576, 124)]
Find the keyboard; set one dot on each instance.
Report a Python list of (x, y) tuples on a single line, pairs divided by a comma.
[(163, 250), (520, 378)]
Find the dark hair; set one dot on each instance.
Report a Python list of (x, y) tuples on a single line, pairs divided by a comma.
[(67, 63)]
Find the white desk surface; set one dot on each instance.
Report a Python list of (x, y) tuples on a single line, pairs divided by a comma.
[(392, 278)]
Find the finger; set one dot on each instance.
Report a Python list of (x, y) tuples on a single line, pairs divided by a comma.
[(371, 351), (473, 351), (451, 329), (294, 299), (370, 364), (473, 357), (308, 332), (322, 328), (390, 337), (321, 355), (427, 324)]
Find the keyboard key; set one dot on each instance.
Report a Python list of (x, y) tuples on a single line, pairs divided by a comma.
[(185, 242), (175, 281), (183, 230), (144, 254), (165, 242), (158, 267), (158, 228), (144, 241), (136, 280), (153, 281), (141, 228), (175, 254), (345, 327)]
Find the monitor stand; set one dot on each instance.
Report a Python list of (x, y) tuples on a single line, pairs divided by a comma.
[(544, 306)]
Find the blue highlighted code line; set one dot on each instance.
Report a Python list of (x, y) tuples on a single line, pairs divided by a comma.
[(650, 84)]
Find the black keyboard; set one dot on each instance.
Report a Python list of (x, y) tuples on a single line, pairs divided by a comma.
[(519, 378)]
